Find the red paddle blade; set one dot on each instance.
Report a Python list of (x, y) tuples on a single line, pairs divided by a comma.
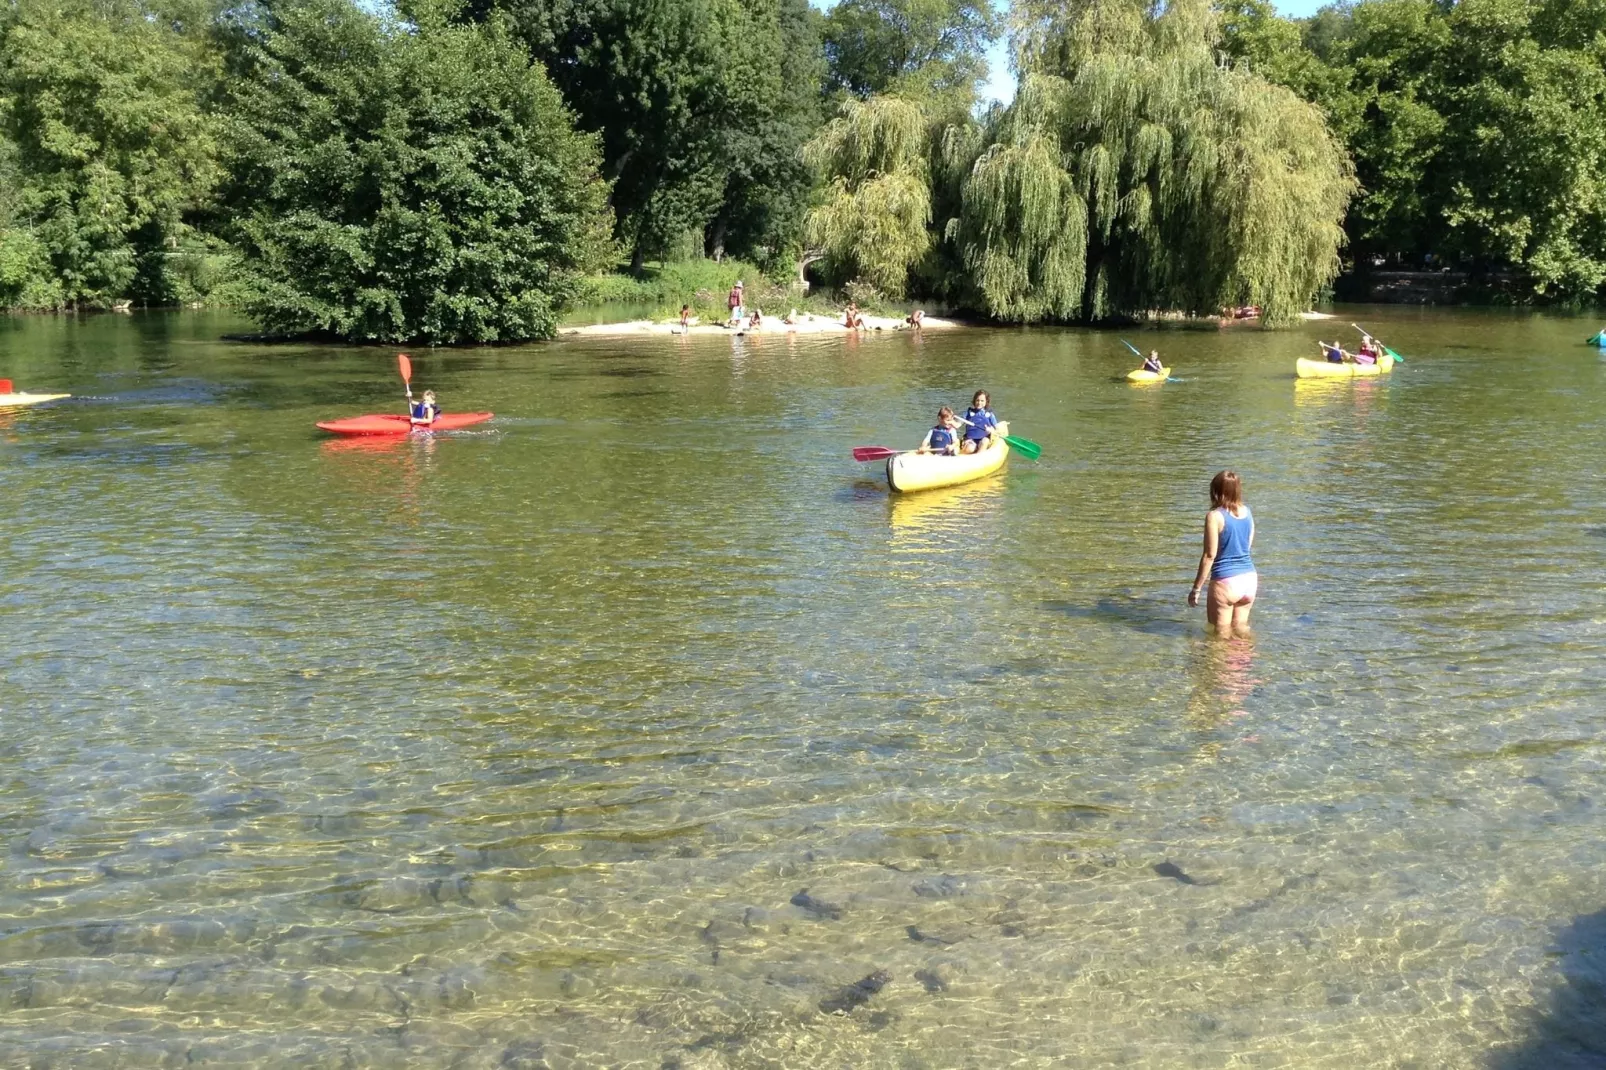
[(406, 367), (873, 453), (5, 386)]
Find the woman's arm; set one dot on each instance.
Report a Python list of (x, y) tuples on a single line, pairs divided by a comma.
[(1212, 543)]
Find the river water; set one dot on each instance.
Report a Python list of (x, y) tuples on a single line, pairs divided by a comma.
[(637, 726)]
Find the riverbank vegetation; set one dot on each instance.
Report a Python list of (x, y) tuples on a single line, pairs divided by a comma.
[(462, 170)]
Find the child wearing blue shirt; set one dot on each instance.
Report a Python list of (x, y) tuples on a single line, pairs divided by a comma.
[(944, 438), (980, 423)]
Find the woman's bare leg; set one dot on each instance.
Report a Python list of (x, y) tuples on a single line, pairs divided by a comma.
[(1217, 611), (1240, 617)]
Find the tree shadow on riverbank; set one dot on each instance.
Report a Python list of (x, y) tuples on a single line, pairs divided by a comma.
[(1569, 1032)]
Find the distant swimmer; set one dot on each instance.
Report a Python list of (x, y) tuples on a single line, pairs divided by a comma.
[(1229, 533)]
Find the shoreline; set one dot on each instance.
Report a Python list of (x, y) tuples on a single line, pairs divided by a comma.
[(807, 323)]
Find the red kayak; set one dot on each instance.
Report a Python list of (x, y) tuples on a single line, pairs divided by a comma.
[(390, 424)]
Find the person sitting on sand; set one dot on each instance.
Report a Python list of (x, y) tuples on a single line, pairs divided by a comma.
[(1151, 363), (852, 319), (980, 424), (944, 438), (757, 320), (423, 413), (791, 318)]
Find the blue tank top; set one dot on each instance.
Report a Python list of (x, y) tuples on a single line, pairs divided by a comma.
[(1232, 549)]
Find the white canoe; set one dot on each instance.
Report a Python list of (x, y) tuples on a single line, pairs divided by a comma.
[(10, 401), (925, 471)]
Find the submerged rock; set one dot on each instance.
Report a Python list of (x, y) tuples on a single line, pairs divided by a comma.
[(818, 907), (857, 994), (1174, 871)]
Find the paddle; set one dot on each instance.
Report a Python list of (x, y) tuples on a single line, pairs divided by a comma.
[(1397, 358), (404, 364), (874, 453), (5, 386), (1028, 449)]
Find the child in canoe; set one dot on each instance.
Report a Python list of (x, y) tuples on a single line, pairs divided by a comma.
[(980, 423), (1334, 353), (944, 438), (422, 413)]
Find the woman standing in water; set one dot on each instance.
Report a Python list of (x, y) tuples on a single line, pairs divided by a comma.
[(1229, 533)]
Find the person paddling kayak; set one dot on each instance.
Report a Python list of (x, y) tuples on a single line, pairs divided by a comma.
[(944, 438), (1151, 363), (423, 413), (1228, 535), (980, 423)]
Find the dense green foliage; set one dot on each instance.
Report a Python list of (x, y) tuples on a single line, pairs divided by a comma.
[(910, 47), (397, 184), (1134, 172), (109, 148), (1475, 128), (700, 105), (456, 170)]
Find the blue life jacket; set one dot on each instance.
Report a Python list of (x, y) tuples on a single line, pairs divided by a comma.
[(941, 438), (981, 422), (1334, 355), (424, 411)]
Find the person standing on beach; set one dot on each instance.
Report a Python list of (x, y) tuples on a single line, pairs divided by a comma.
[(1228, 535), (735, 302)]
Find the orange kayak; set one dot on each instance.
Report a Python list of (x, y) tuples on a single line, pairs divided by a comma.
[(392, 424)]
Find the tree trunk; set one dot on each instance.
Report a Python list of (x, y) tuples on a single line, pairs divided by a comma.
[(716, 241), (637, 260)]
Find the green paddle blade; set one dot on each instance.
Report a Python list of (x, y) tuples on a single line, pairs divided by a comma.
[(1027, 448), (1397, 358)]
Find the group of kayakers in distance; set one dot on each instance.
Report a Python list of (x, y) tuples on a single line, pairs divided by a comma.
[(954, 435)]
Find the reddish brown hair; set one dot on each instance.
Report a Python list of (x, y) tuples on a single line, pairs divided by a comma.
[(1226, 490)]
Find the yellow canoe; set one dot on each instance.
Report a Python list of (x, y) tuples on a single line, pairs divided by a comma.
[(11, 401), (1326, 369), (1142, 376), (926, 471)]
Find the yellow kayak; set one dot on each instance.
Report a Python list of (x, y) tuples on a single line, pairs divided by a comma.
[(1142, 376), (925, 471), (10, 401), (1326, 369)]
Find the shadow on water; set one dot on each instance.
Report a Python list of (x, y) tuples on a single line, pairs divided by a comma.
[(1147, 615), (1570, 1033)]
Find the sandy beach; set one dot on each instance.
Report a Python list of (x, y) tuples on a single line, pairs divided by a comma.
[(806, 324)]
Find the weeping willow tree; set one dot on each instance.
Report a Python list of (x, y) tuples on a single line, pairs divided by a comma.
[(872, 220), (1136, 172)]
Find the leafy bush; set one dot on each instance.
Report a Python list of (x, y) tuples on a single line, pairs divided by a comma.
[(408, 183)]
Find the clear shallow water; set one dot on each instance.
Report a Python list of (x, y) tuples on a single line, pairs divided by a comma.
[(515, 747)]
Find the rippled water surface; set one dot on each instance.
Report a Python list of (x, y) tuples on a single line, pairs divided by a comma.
[(638, 726)]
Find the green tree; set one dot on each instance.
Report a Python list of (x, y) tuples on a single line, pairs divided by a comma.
[(407, 183), (689, 99), (1134, 172), (910, 48), (872, 222), (103, 104)]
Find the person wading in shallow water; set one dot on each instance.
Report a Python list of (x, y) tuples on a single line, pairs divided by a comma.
[(1228, 535)]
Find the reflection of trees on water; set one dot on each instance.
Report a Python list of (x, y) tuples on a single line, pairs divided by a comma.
[(1569, 1033)]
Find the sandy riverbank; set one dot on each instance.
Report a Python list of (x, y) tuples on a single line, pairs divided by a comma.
[(806, 324)]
